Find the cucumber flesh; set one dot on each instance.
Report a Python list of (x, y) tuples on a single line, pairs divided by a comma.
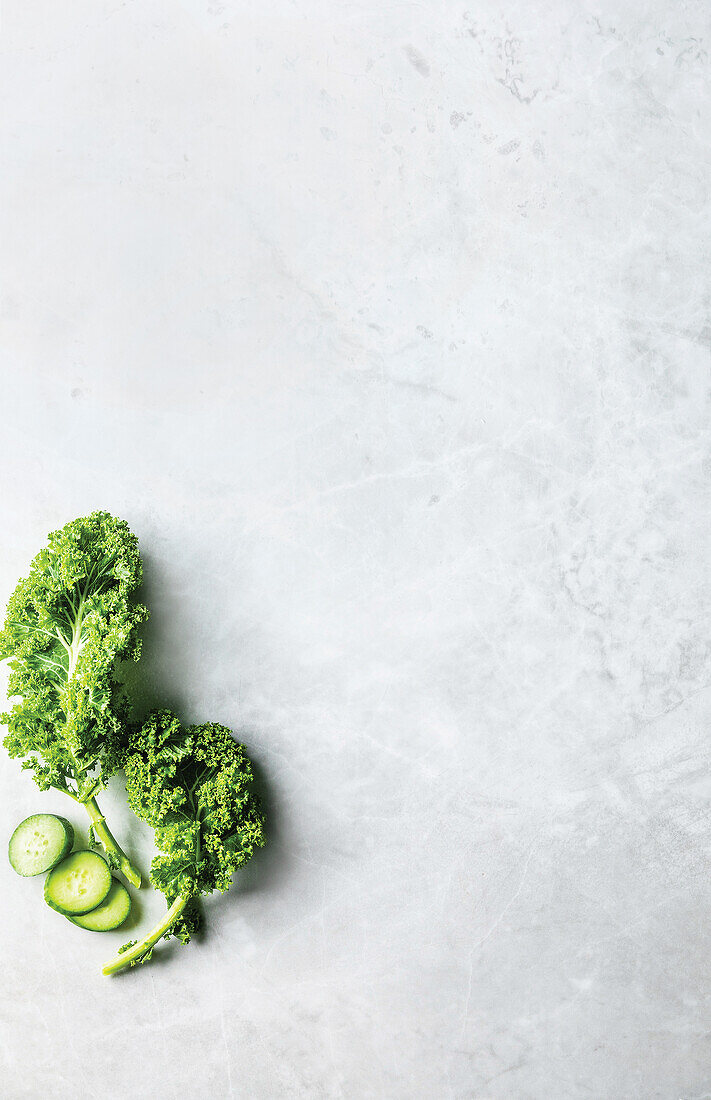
[(39, 843), (77, 884), (110, 914)]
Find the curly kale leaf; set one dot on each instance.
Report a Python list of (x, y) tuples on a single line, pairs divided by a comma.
[(194, 786), (187, 924), (68, 622)]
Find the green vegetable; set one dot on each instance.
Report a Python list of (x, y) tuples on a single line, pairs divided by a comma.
[(78, 884), (68, 623), (194, 787), (111, 913), (38, 843)]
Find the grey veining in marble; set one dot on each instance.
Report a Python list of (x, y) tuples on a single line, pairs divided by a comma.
[(387, 328)]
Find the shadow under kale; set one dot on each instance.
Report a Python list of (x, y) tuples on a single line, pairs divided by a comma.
[(210, 804), (150, 684)]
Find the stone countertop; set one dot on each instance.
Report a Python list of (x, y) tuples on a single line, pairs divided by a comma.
[(386, 327)]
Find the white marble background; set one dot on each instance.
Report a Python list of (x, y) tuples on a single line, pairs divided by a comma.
[(386, 326)]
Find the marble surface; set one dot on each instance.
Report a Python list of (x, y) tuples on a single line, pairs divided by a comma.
[(386, 326)]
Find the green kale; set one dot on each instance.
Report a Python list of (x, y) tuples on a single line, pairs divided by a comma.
[(194, 786), (68, 623)]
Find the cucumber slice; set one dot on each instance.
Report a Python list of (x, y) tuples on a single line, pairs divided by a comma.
[(110, 914), (77, 884), (39, 843)]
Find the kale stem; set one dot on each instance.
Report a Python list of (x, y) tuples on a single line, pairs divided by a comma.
[(125, 958), (110, 843)]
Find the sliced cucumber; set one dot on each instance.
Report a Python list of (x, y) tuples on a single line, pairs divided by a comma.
[(110, 914), (39, 843), (77, 884)]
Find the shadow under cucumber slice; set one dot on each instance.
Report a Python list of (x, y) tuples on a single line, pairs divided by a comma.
[(110, 914), (77, 884)]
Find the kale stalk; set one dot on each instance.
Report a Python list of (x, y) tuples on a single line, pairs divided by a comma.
[(68, 623)]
